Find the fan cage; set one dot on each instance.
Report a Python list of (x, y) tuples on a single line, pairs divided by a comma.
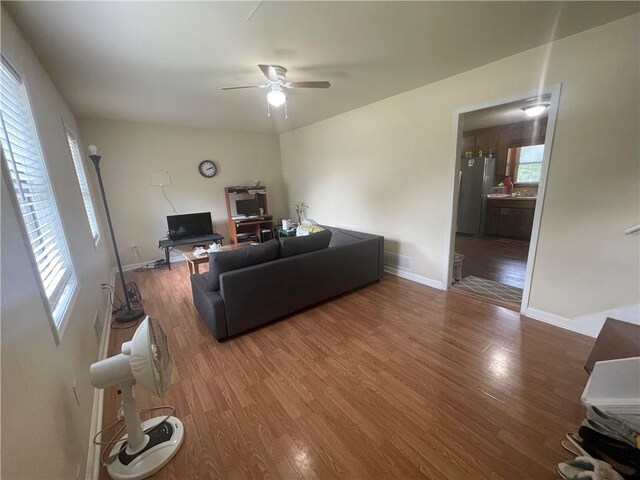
[(161, 356)]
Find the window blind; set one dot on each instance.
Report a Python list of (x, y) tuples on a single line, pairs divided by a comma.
[(33, 190), (84, 185)]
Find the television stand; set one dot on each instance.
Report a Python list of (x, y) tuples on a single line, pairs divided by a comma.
[(168, 244)]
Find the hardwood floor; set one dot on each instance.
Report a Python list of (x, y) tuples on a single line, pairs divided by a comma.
[(501, 260), (395, 380)]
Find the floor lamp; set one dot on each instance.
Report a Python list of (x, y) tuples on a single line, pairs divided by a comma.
[(130, 313)]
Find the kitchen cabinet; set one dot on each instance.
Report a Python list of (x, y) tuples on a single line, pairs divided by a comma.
[(501, 138), (468, 145), (511, 218), (484, 142)]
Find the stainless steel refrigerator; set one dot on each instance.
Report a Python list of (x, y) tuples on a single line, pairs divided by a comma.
[(477, 176)]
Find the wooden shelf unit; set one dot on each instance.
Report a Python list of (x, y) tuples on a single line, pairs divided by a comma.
[(252, 226)]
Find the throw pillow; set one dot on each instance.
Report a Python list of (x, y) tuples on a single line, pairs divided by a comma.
[(303, 230), (220, 262), (290, 246)]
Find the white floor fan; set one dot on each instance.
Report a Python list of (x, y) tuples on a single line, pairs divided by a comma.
[(149, 445)]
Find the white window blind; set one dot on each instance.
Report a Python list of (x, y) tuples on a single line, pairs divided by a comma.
[(84, 185), (34, 194)]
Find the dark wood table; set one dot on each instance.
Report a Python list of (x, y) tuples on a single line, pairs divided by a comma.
[(168, 244)]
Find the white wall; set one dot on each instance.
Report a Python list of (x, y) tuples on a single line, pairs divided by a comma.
[(44, 433), (132, 151), (385, 168)]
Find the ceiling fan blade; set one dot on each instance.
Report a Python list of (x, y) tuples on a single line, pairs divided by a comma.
[(269, 72), (246, 86), (308, 84)]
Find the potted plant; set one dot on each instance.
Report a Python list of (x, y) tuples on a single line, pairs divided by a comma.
[(301, 209)]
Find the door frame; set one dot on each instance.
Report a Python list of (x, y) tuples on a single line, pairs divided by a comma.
[(554, 91)]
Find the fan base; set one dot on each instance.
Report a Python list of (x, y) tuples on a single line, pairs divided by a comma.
[(165, 438), (129, 315)]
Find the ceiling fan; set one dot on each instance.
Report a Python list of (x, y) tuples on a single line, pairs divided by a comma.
[(276, 77)]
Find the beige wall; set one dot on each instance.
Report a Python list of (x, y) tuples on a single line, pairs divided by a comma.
[(386, 167), (45, 433), (132, 151)]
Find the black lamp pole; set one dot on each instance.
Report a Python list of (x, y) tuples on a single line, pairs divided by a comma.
[(131, 313)]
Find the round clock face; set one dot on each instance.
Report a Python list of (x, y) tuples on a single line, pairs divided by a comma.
[(207, 168)]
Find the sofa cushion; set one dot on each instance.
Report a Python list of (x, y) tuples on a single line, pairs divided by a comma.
[(290, 246), (220, 262)]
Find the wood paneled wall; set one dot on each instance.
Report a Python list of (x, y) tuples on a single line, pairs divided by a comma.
[(501, 138)]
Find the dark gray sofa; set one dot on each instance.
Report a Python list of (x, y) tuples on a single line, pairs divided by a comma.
[(252, 296)]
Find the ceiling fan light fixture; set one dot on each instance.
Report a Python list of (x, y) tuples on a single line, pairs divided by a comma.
[(276, 97), (535, 110)]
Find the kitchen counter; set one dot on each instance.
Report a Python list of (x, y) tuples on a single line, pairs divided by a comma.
[(510, 197)]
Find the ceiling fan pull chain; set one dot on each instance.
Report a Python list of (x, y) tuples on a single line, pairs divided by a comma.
[(268, 109), (286, 113)]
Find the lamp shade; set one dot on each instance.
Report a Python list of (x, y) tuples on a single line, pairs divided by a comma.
[(276, 97), (535, 110)]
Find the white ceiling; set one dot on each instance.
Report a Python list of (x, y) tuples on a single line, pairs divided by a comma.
[(504, 114), (165, 62)]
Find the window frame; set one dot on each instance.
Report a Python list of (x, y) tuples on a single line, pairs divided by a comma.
[(68, 132), (66, 302), (516, 164)]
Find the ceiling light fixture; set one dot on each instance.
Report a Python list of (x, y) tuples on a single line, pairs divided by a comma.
[(276, 78), (276, 96), (535, 110)]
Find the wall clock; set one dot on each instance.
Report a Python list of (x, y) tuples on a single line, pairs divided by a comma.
[(207, 169)]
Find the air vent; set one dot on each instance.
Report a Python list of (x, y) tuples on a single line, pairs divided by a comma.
[(401, 262)]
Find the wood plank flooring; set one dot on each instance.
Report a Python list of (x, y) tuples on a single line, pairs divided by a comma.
[(394, 380), (501, 260)]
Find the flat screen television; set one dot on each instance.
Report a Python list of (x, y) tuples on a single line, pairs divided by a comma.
[(190, 225), (247, 207)]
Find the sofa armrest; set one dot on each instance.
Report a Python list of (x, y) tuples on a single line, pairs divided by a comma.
[(341, 236), (210, 306)]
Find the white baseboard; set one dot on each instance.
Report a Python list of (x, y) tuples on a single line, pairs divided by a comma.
[(558, 321), (133, 266), (93, 455), (590, 324), (429, 282)]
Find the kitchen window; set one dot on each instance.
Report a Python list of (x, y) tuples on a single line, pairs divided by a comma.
[(526, 163), (41, 225), (84, 186)]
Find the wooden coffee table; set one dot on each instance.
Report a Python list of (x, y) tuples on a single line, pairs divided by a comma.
[(193, 261)]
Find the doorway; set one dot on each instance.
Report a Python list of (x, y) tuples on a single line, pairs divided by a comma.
[(499, 177)]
